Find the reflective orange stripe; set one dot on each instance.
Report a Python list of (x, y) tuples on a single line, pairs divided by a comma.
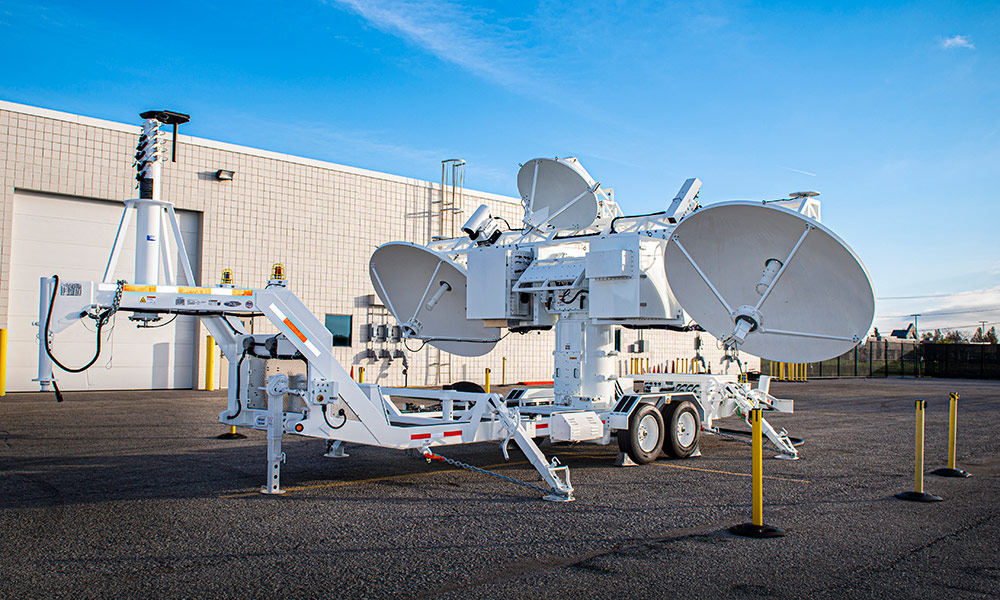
[(185, 290), (295, 330)]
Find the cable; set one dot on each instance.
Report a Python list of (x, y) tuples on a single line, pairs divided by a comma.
[(405, 345), (509, 228), (239, 371), (563, 299), (101, 318), (931, 313), (172, 319), (339, 414), (652, 214)]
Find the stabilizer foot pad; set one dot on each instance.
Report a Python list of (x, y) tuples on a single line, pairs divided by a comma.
[(624, 460), (947, 472), (756, 531), (559, 497), (231, 436), (919, 497)]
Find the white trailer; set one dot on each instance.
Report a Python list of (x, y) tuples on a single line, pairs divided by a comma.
[(578, 265)]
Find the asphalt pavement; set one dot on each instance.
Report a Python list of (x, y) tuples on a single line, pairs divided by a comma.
[(130, 494)]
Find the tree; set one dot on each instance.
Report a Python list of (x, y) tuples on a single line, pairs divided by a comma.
[(978, 336), (955, 336), (991, 335)]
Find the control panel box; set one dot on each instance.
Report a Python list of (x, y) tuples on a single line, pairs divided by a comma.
[(627, 280), (492, 273)]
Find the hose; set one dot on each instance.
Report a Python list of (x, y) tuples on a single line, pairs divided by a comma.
[(102, 318)]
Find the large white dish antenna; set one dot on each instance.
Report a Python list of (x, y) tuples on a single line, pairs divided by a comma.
[(786, 284), (558, 193), (426, 293)]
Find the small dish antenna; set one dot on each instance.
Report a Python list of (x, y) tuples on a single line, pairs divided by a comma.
[(558, 193), (425, 291), (770, 282)]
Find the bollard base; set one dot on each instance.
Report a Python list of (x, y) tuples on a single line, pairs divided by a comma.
[(919, 497), (949, 472), (756, 531), (231, 436)]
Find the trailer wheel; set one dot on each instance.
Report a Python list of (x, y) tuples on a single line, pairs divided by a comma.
[(643, 439), (466, 386), (683, 429)]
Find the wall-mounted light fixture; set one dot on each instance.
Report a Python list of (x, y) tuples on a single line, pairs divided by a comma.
[(224, 175)]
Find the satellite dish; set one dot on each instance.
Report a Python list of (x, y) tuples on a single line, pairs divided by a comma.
[(426, 293), (777, 284), (558, 193)]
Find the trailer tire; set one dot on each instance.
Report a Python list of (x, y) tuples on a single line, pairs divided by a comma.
[(466, 386), (643, 439), (683, 425)]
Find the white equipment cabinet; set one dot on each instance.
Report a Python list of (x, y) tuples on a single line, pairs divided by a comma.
[(578, 265)]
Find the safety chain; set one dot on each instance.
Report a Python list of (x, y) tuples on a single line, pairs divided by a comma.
[(429, 455), (105, 316)]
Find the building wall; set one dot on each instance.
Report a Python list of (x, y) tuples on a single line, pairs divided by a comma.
[(321, 220)]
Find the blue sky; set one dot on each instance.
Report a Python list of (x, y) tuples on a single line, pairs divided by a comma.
[(891, 111)]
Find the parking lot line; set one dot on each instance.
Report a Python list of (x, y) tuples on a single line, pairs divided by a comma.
[(730, 473)]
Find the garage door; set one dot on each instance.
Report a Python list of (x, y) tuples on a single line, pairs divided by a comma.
[(72, 237)]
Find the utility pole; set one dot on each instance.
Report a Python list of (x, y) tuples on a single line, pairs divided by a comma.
[(916, 347), (982, 331)]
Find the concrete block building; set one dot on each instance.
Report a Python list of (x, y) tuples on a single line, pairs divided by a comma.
[(63, 178)]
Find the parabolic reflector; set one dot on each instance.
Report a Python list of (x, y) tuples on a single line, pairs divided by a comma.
[(558, 193), (426, 293), (785, 283)]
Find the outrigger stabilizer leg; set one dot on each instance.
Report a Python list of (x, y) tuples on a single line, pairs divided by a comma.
[(277, 387), (556, 476), (781, 441)]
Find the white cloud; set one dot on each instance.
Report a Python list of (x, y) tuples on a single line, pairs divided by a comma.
[(957, 41), (960, 310), (513, 53), (799, 171), (456, 34)]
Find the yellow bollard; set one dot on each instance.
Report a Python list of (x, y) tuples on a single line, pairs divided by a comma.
[(209, 363), (756, 528), (361, 374), (647, 366), (231, 434), (951, 470), (487, 380), (757, 469), (918, 494), (3, 362), (503, 372)]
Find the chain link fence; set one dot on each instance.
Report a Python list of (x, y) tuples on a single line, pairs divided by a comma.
[(895, 358)]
